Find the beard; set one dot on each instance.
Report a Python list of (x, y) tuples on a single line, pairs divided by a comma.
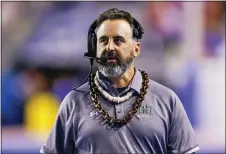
[(115, 68)]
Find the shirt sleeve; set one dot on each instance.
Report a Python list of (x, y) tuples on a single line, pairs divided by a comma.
[(60, 139), (181, 137)]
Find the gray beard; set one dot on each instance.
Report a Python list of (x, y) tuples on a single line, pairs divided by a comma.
[(115, 69)]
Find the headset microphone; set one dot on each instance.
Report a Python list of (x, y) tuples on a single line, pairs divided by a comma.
[(91, 59), (102, 60)]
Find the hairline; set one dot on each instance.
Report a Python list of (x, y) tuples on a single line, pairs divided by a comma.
[(131, 26)]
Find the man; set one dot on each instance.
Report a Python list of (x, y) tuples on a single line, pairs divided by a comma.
[(120, 110)]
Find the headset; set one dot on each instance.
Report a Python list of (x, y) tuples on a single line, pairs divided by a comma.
[(138, 31)]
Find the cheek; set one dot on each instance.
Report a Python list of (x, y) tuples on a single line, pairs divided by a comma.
[(127, 52), (99, 51), (124, 56)]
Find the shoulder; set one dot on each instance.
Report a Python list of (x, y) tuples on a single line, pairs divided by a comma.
[(83, 88), (160, 90), (75, 97), (78, 92), (163, 95)]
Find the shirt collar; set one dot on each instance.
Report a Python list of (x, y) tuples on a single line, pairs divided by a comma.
[(135, 83)]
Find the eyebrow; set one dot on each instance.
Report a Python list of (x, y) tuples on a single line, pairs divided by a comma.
[(117, 36), (103, 37)]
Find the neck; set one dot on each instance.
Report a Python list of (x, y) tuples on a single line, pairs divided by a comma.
[(125, 79)]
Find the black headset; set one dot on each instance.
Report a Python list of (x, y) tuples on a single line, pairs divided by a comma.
[(92, 41)]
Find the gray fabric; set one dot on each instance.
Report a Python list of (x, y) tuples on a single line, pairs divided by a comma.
[(160, 126)]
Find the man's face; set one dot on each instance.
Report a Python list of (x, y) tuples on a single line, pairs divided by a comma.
[(116, 44)]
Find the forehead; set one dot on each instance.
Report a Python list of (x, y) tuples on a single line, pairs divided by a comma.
[(114, 28)]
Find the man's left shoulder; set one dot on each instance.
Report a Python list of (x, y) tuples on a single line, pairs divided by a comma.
[(163, 96), (160, 90)]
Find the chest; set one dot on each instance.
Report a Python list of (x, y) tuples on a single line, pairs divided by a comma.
[(149, 123)]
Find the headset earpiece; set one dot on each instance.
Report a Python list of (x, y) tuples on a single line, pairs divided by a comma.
[(94, 44), (91, 42)]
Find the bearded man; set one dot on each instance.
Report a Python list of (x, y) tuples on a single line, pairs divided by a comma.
[(120, 110)]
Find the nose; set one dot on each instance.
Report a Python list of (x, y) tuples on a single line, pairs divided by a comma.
[(110, 46)]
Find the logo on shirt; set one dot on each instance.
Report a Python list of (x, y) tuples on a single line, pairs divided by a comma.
[(91, 114), (145, 110)]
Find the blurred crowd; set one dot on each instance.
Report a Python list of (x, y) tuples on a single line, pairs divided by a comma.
[(43, 45)]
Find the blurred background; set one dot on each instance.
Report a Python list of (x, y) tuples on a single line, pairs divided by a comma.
[(42, 60)]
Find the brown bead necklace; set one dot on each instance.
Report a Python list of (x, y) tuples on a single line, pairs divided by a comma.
[(112, 121)]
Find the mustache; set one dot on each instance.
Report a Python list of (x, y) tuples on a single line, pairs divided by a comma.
[(110, 55)]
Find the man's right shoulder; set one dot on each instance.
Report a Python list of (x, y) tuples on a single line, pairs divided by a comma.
[(82, 88), (75, 97), (78, 92)]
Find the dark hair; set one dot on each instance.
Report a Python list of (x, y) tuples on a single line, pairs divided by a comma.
[(115, 13)]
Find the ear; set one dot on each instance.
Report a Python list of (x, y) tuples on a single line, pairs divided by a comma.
[(136, 51)]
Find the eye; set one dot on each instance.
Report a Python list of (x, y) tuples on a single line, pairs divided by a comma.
[(103, 41), (118, 41)]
